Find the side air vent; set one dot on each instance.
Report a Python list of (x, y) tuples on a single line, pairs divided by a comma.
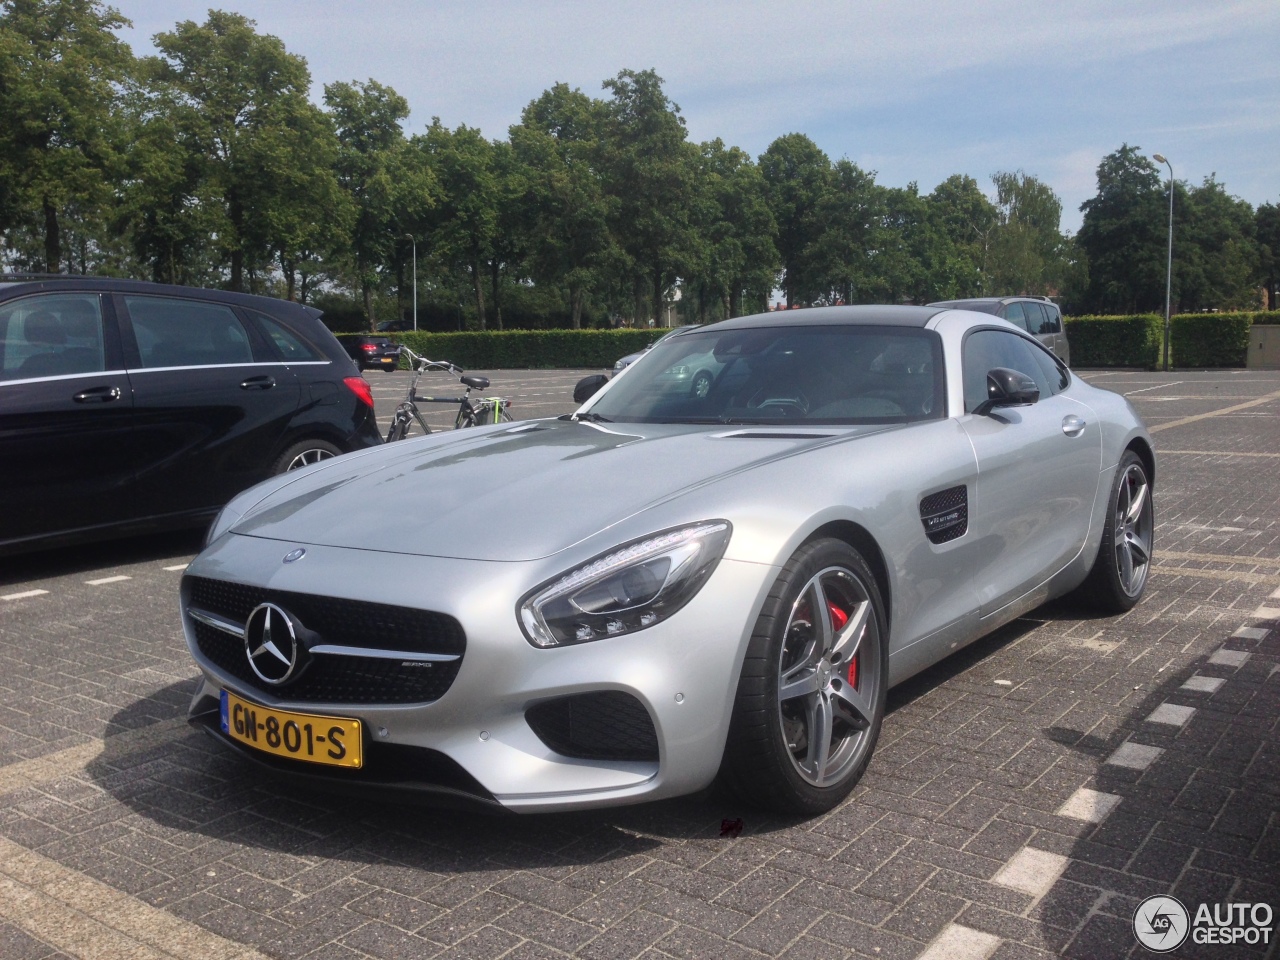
[(945, 514)]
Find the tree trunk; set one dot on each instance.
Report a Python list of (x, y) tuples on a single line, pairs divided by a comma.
[(575, 306), (400, 297), (290, 277), (637, 299), (733, 301), (493, 287), (237, 269), (657, 296), (479, 289), (52, 239), (367, 290)]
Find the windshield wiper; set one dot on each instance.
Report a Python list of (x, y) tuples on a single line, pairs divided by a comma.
[(590, 417)]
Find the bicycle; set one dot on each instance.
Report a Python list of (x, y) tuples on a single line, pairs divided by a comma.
[(471, 413)]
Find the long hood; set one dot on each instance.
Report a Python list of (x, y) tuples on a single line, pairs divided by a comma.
[(511, 493)]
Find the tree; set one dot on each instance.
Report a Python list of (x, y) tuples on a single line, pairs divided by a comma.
[(733, 252), (798, 178), (852, 212), (1267, 227), (61, 74), (1215, 252), (1028, 254), (1123, 235), (564, 209), (238, 101), (966, 221), (370, 158), (649, 167), (464, 224)]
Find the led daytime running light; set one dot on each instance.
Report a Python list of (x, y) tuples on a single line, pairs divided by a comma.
[(694, 540)]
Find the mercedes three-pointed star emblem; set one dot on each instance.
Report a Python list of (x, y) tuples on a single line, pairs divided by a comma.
[(271, 644)]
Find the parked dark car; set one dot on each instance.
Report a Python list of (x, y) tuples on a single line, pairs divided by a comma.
[(1039, 317), (373, 351), (128, 406)]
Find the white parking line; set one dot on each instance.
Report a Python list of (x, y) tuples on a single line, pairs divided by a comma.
[(961, 943), (1135, 756), (1250, 633), (1091, 806), (1229, 658), (1031, 871), (177, 566), (24, 594), (1266, 613), (104, 580), (1171, 714), (1199, 684)]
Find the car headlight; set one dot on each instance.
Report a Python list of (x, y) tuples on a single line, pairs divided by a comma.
[(635, 586)]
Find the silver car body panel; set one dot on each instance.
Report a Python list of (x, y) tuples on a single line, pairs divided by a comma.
[(467, 523)]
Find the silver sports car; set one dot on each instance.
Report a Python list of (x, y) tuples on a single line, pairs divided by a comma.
[(671, 585)]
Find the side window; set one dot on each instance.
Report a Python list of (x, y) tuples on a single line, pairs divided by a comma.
[(1036, 322), (1054, 319), (1055, 373), (987, 349), (1013, 313), (187, 333), (290, 345), (54, 335)]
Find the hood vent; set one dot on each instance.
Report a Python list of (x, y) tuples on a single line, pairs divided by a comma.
[(773, 435)]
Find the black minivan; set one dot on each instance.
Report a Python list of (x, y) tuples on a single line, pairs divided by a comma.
[(127, 406)]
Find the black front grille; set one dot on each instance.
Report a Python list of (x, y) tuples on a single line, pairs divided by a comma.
[(351, 623), (607, 725), (945, 514)]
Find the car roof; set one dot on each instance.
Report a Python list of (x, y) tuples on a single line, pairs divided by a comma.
[(876, 315), (987, 304), (21, 285)]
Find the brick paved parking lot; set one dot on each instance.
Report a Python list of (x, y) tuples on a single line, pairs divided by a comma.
[(1026, 796)]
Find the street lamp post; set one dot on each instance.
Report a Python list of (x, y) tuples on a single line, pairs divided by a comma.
[(1168, 274), (413, 240)]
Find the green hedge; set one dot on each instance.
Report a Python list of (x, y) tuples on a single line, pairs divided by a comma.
[(1195, 339), (1115, 341), (526, 349), (1210, 339)]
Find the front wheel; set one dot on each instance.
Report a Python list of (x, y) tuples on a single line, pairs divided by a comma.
[(1119, 574), (812, 693)]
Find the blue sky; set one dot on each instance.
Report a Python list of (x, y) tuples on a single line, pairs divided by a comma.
[(913, 90)]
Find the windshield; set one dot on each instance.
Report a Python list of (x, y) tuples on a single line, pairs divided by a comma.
[(819, 375)]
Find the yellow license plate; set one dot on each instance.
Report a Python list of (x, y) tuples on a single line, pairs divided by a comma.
[(334, 741)]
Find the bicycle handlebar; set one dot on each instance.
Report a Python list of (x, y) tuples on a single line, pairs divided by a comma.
[(422, 364)]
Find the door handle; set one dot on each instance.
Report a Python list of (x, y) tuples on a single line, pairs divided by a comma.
[(258, 383), (97, 395), (1073, 426)]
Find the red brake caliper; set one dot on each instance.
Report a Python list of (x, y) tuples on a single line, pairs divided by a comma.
[(838, 619)]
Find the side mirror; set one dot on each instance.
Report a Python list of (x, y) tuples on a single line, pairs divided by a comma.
[(1008, 388), (588, 386)]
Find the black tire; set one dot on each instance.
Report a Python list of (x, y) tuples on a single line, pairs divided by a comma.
[(767, 761), (303, 454), (1119, 575)]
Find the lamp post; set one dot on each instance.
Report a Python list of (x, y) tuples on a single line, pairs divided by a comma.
[(412, 240), (1168, 274)]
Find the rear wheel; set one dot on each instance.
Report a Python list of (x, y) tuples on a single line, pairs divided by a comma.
[(1119, 575), (811, 696), (303, 454)]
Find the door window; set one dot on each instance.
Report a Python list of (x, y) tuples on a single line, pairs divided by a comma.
[(986, 349), (51, 336), (187, 333), (1036, 321), (1053, 319), (288, 343), (1013, 313)]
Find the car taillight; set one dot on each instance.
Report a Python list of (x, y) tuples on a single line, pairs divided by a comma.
[(360, 387), (369, 347)]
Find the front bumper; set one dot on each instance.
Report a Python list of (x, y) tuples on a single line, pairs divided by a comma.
[(684, 672)]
